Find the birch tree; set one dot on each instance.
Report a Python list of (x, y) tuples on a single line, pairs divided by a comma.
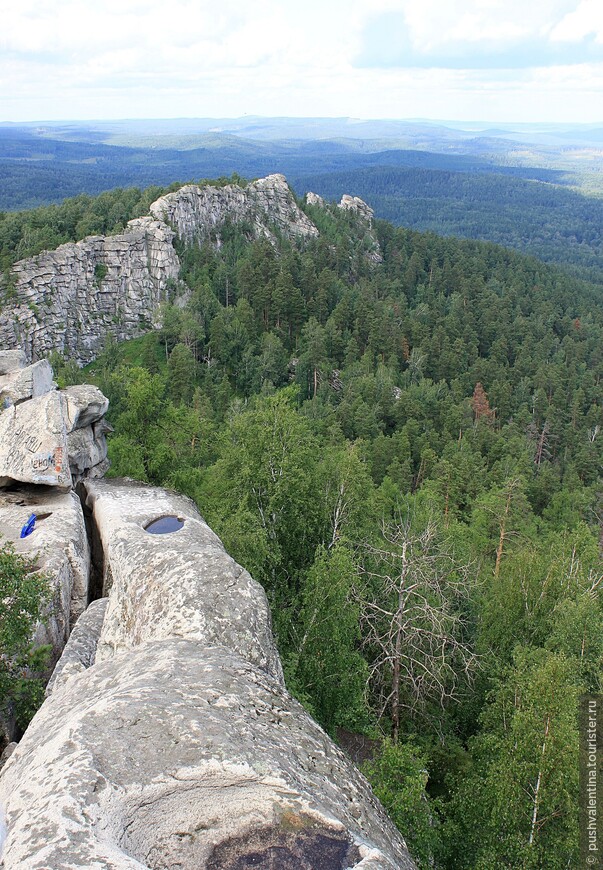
[(326, 667), (518, 807)]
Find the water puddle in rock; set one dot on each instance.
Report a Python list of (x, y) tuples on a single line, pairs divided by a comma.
[(164, 525)]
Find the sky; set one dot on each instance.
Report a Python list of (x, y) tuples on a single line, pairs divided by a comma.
[(484, 60)]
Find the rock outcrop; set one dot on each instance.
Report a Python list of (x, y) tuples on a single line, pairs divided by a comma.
[(176, 743), (198, 213), (54, 439), (355, 204), (49, 443), (26, 383), (59, 546), (173, 584), (175, 754), (167, 738), (11, 360), (315, 199), (366, 214), (80, 651), (70, 300), (33, 443)]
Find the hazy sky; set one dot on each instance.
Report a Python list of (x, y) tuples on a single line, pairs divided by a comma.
[(492, 60)]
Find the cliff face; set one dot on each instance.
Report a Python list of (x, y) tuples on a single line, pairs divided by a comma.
[(266, 205), (69, 300)]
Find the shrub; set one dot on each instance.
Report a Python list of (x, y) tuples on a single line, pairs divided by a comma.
[(24, 595)]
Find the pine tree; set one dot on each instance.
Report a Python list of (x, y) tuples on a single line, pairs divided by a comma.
[(181, 374)]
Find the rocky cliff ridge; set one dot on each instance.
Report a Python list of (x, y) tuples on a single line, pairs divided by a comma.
[(69, 300), (266, 206), (167, 738)]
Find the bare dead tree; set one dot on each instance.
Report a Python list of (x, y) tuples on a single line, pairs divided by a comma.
[(541, 438), (410, 592)]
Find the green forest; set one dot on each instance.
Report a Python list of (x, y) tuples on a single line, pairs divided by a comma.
[(408, 457)]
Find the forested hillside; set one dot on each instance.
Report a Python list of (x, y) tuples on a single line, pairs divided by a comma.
[(40, 165), (408, 457), (532, 215)]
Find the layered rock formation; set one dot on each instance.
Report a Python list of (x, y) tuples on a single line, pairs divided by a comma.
[(70, 300), (267, 205), (11, 360), (168, 738)]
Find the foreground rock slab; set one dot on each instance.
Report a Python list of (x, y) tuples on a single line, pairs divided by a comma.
[(178, 584), (177, 754), (26, 383), (168, 739), (85, 405), (53, 439), (33, 443), (10, 360)]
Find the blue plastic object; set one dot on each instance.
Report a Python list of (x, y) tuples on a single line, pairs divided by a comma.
[(29, 526)]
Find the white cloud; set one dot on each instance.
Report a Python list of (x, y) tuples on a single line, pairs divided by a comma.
[(478, 34), (584, 21), (145, 58), (436, 22)]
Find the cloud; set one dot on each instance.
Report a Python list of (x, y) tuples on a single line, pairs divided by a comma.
[(227, 33), (482, 35), (583, 21), (364, 58)]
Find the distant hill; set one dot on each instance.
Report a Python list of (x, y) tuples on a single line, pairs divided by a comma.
[(41, 165)]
